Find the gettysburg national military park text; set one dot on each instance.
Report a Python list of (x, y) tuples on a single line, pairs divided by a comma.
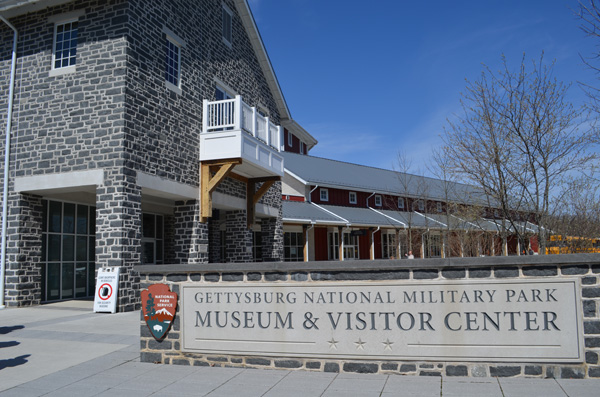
[(500, 319)]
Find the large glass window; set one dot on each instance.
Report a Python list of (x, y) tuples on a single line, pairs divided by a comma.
[(433, 245), (293, 246), (65, 45), (257, 246), (152, 239), (350, 249), (389, 246), (68, 250)]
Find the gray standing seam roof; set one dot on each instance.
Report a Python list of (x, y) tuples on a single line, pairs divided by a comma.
[(333, 173)]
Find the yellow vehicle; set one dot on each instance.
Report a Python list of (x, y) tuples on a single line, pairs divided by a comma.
[(572, 245)]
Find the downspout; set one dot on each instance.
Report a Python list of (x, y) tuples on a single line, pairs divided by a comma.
[(369, 198), (7, 159), (312, 224), (310, 193)]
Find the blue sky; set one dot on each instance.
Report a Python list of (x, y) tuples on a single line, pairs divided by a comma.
[(371, 78)]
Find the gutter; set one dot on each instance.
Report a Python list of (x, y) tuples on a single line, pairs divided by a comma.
[(13, 67)]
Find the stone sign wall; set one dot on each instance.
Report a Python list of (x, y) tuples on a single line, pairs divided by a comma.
[(515, 316)]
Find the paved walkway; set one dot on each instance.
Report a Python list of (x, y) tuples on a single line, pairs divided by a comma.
[(66, 350)]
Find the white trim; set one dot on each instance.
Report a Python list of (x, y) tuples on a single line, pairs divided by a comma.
[(401, 200), (326, 191), (379, 199), (332, 213), (290, 173), (175, 87), (62, 20), (431, 219), (173, 37), (59, 181), (61, 71), (389, 217), (355, 201), (174, 190), (66, 17)]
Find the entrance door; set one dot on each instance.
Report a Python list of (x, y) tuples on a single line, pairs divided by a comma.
[(68, 250)]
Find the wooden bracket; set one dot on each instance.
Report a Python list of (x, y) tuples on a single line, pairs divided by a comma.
[(253, 196), (208, 183)]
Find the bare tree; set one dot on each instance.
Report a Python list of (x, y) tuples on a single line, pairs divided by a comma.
[(517, 140), (589, 14)]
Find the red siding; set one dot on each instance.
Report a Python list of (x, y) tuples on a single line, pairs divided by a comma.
[(321, 244), (295, 148), (377, 237), (363, 246)]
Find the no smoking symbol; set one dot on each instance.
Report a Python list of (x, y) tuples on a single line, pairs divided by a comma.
[(105, 291)]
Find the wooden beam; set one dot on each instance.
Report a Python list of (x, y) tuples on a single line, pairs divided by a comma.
[(219, 176), (261, 191), (205, 197), (208, 184), (238, 177)]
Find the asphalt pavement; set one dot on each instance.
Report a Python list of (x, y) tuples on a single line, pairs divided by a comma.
[(64, 349)]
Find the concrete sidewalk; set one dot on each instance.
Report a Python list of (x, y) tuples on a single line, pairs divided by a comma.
[(64, 349)]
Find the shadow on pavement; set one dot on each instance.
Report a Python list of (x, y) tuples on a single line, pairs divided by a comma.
[(6, 330), (13, 362), (10, 343)]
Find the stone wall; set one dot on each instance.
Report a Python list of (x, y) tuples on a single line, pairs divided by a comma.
[(586, 267)]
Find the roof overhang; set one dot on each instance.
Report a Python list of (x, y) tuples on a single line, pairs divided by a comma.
[(300, 132), (13, 8)]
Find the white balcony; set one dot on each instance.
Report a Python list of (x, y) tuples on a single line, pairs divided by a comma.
[(232, 129)]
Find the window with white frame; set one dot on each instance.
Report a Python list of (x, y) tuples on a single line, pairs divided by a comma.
[(421, 205), (301, 147), (324, 194), (439, 206), (290, 139), (352, 197), (227, 25), (378, 200), (65, 44), (400, 203), (389, 246), (173, 62)]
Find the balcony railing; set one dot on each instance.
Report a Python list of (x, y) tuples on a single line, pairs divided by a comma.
[(235, 114)]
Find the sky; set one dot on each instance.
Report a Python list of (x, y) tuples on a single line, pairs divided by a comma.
[(372, 79)]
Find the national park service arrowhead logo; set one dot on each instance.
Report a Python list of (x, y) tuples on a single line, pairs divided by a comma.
[(159, 305)]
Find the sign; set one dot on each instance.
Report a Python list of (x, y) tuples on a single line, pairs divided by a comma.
[(361, 232), (159, 306), (484, 320), (107, 287)]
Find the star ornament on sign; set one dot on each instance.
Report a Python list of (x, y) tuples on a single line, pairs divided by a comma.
[(387, 344), (333, 344), (360, 345)]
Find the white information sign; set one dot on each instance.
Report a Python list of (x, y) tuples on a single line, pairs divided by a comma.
[(475, 320), (107, 286)]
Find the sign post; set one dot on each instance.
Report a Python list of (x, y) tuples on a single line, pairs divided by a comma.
[(107, 286)]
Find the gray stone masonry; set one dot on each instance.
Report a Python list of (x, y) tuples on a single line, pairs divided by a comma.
[(114, 112), (584, 266), (238, 237)]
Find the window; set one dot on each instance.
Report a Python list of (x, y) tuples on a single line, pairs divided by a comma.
[(65, 45), (257, 246), (152, 239), (173, 63), (378, 200), (400, 203), (324, 195), (352, 197), (290, 139), (350, 250), (433, 245), (227, 18), (222, 94), (389, 246), (439, 207), (68, 250), (293, 247), (421, 205), (301, 147)]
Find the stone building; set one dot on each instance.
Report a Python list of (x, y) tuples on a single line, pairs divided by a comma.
[(142, 132)]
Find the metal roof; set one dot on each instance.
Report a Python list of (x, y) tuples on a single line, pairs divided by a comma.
[(342, 175), (305, 212), (363, 216)]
